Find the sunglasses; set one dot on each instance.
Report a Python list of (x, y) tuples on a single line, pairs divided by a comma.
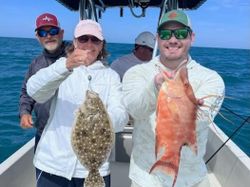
[(180, 34), (51, 32), (85, 38)]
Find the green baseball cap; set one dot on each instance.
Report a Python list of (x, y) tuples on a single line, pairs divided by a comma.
[(177, 16)]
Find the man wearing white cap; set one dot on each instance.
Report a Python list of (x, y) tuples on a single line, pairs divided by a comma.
[(142, 52), (66, 82)]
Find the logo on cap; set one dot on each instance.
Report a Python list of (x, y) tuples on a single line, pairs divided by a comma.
[(46, 18), (172, 15)]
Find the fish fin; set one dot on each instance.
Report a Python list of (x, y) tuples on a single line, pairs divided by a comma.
[(200, 116), (182, 65), (225, 118), (203, 105), (168, 167), (219, 96), (167, 75), (200, 101), (94, 179), (211, 121)]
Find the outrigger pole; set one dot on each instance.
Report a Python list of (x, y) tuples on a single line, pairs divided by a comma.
[(88, 10)]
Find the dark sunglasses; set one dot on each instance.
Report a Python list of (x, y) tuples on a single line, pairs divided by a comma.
[(180, 34), (51, 32), (86, 38)]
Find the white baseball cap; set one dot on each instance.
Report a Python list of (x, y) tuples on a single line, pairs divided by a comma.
[(88, 27), (146, 38)]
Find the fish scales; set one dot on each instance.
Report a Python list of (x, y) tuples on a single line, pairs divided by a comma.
[(92, 137)]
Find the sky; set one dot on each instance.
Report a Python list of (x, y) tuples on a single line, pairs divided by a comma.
[(217, 23)]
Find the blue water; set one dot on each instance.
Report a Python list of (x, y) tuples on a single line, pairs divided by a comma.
[(17, 53)]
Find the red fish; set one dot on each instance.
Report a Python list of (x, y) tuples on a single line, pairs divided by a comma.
[(175, 122)]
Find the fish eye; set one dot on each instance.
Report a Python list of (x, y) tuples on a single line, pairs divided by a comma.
[(186, 84)]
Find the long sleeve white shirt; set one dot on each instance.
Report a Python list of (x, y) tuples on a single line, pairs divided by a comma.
[(54, 153)]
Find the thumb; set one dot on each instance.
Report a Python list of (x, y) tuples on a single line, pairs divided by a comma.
[(30, 120), (158, 80)]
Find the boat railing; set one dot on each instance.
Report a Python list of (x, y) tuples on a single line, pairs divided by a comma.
[(18, 170)]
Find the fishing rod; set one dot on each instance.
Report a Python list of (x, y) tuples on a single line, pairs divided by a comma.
[(246, 120)]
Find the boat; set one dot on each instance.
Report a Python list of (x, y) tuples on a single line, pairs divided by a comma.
[(228, 165)]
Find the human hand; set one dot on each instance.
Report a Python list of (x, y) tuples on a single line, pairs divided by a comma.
[(79, 57), (26, 121), (158, 80)]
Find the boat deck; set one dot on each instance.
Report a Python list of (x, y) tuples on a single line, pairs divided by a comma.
[(119, 174), (119, 177)]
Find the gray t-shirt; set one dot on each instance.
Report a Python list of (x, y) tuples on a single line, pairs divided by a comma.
[(122, 64)]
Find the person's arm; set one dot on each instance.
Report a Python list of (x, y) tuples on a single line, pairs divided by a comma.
[(117, 66), (43, 85), (116, 110), (139, 91), (26, 103)]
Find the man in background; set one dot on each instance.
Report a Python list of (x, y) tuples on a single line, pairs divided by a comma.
[(50, 35), (142, 52)]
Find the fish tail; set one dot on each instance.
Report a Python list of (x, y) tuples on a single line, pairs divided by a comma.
[(94, 179), (170, 167)]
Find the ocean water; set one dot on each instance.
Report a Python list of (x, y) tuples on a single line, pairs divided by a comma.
[(232, 64)]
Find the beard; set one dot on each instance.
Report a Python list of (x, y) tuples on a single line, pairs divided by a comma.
[(52, 45)]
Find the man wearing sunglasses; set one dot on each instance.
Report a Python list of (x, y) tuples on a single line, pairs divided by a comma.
[(142, 52), (50, 36), (141, 85)]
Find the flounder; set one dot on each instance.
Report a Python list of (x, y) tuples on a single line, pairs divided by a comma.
[(92, 137)]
